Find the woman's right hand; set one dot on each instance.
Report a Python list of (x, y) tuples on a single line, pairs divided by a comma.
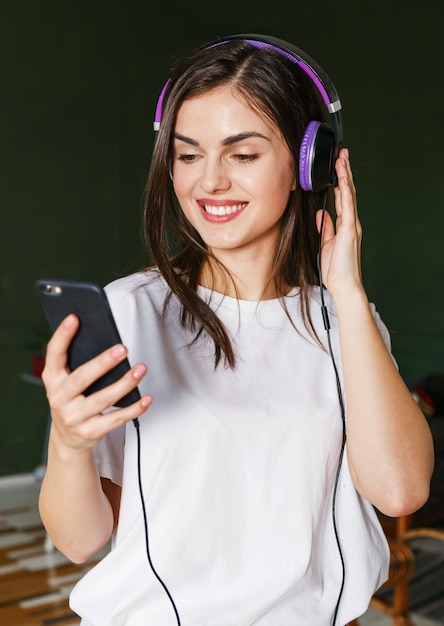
[(78, 420)]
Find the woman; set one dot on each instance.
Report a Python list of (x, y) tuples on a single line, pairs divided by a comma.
[(258, 511)]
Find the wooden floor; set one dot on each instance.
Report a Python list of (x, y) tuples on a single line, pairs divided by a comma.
[(35, 579)]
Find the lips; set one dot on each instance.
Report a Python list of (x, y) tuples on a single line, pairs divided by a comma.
[(220, 210)]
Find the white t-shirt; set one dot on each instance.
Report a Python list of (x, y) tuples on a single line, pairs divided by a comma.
[(238, 468)]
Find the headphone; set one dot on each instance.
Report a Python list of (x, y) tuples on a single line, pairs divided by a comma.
[(321, 142)]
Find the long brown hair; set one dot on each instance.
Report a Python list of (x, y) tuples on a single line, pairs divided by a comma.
[(275, 88)]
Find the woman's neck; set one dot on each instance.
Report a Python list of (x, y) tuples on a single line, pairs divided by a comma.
[(248, 279)]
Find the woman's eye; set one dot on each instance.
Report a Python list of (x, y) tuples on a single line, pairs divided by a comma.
[(245, 158), (187, 158)]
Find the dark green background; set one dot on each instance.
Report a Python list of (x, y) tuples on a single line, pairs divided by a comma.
[(79, 80)]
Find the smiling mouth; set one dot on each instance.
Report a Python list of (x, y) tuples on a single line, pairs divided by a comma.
[(224, 210)]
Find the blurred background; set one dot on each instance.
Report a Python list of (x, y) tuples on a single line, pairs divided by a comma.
[(79, 82)]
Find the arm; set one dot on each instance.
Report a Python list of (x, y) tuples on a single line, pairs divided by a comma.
[(389, 445), (78, 513)]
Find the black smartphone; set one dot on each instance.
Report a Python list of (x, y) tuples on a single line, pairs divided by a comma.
[(97, 330)]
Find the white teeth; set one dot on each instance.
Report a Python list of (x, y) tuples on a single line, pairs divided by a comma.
[(223, 210)]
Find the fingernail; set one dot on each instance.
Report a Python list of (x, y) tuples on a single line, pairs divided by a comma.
[(146, 401), (117, 351), (69, 321), (347, 153), (139, 371)]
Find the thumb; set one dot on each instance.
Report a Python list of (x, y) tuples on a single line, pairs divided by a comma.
[(328, 228)]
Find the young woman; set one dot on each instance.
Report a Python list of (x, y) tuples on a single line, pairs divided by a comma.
[(260, 507)]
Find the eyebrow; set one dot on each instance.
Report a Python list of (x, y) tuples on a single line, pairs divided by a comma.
[(228, 141)]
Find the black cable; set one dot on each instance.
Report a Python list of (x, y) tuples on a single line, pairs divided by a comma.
[(145, 518), (342, 407)]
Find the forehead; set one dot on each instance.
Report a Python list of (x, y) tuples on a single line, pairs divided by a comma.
[(224, 106)]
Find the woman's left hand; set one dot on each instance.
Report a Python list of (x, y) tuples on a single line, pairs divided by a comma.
[(341, 247), (389, 445)]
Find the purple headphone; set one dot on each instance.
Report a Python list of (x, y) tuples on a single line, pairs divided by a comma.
[(320, 143)]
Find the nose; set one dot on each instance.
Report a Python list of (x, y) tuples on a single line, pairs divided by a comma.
[(215, 176)]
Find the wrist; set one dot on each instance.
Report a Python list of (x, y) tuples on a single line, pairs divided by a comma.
[(351, 302), (66, 453)]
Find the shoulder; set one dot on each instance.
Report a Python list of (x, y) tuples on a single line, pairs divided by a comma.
[(137, 288), (137, 302), (149, 279)]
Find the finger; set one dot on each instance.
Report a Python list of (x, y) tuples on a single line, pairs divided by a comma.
[(86, 374), (80, 431), (109, 396), (99, 425), (127, 414), (345, 195), (348, 172), (346, 156), (343, 168), (57, 349), (328, 229)]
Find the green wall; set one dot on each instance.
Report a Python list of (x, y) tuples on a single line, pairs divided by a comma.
[(79, 80)]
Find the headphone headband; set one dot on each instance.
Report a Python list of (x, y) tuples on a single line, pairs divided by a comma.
[(315, 72)]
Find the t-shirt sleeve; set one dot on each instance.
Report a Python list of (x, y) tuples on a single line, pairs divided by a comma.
[(108, 454)]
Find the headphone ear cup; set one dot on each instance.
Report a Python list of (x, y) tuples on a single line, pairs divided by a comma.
[(317, 156)]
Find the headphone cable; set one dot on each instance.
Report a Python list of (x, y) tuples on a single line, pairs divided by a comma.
[(145, 519), (342, 407)]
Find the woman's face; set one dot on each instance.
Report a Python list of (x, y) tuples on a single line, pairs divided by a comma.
[(232, 173)]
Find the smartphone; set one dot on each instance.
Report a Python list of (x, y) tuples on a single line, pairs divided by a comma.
[(97, 330)]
